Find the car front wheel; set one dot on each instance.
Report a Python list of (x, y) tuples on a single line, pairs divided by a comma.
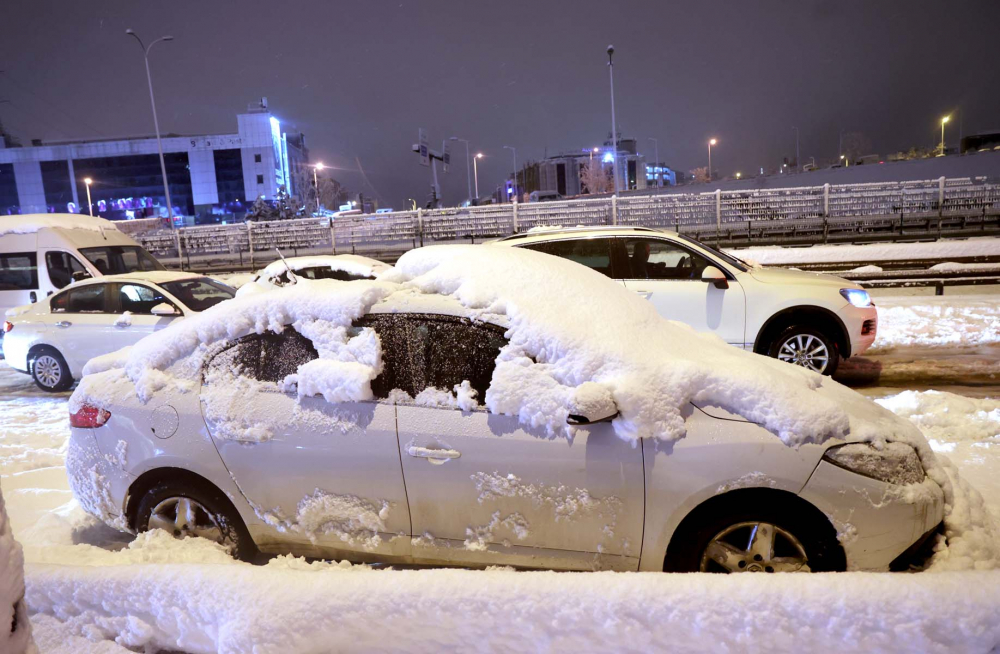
[(806, 347), (50, 371)]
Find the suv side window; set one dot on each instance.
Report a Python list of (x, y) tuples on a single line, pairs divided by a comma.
[(651, 258), (448, 351), (140, 300), (397, 370), (595, 253), (61, 267), (91, 298)]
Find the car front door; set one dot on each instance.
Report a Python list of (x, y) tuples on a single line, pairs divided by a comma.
[(669, 275), (316, 473), (80, 322), (486, 489), (138, 300)]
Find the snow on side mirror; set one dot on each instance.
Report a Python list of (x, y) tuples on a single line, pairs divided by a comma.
[(163, 309), (714, 276), (591, 403)]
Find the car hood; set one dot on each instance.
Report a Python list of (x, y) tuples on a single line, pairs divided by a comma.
[(789, 276)]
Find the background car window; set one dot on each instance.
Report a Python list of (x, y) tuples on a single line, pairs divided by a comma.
[(61, 266), (18, 271), (595, 253), (650, 258), (282, 354), (85, 299), (448, 352), (199, 293), (397, 369), (140, 299)]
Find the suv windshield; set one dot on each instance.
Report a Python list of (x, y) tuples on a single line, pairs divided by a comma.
[(199, 293), (118, 259), (728, 258)]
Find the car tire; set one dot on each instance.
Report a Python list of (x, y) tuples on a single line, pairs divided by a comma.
[(798, 345), (172, 503), (49, 370), (730, 522)]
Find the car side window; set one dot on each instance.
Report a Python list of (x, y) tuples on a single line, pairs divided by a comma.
[(595, 253), (61, 267), (650, 258), (397, 368), (325, 272), (241, 358), (84, 299), (449, 351), (282, 354), (18, 271), (140, 300)]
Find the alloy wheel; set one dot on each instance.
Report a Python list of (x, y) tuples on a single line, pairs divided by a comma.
[(754, 547), (184, 517), (47, 370), (805, 350)]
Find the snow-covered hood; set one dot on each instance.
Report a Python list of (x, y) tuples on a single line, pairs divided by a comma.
[(789, 276)]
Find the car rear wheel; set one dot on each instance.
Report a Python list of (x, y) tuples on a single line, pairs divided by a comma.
[(807, 347), (187, 509), (50, 372)]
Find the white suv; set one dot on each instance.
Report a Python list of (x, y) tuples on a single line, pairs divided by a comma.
[(809, 319)]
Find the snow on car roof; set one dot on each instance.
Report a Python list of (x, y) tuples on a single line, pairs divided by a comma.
[(32, 223), (151, 276), (546, 232), (350, 263)]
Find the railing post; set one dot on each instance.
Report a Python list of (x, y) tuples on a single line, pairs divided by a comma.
[(718, 216), (940, 195), (250, 241), (614, 209), (515, 215), (180, 255), (420, 225), (826, 200), (333, 235)]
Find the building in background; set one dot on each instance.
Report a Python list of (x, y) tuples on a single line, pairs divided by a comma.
[(210, 176), (660, 174)]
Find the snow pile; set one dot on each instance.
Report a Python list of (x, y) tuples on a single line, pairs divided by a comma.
[(31, 223), (12, 609), (866, 269), (967, 320), (946, 417)]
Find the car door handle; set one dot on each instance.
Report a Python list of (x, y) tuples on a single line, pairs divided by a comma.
[(435, 456), (63, 323)]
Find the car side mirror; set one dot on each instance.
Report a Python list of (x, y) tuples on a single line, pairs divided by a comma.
[(164, 309), (714, 276), (80, 275), (591, 403), (574, 419)]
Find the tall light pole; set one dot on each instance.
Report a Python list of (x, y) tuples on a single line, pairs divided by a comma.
[(475, 169), (656, 151), (88, 182), (156, 122), (614, 135), (514, 152), (943, 121), (798, 166), (711, 142), (593, 152), (468, 179), (318, 166)]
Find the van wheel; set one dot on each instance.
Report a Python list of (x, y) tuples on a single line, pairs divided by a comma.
[(807, 347), (50, 372)]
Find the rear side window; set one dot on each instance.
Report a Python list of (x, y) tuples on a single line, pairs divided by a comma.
[(327, 273), (265, 357), (447, 352), (397, 367), (61, 266), (85, 299), (595, 253), (18, 271)]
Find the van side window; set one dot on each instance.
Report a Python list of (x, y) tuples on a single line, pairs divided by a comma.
[(61, 266), (18, 271)]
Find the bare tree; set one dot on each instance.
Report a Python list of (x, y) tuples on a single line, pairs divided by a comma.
[(330, 194), (700, 175), (595, 177)]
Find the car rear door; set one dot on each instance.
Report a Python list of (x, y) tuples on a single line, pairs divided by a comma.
[(81, 324), (668, 274), (316, 473)]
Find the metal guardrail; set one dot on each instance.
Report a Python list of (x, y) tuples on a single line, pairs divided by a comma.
[(844, 213)]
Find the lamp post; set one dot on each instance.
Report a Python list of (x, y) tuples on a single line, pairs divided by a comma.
[(156, 123), (593, 152), (711, 142), (798, 165), (318, 166), (614, 135), (514, 152), (468, 179), (88, 182), (656, 155), (475, 170), (943, 121)]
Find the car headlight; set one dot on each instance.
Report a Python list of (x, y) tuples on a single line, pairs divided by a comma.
[(896, 463), (857, 296)]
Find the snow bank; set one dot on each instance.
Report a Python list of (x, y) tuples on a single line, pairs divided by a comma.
[(966, 320), (781, 256), (31, 223), (11, 589), (946, 417)]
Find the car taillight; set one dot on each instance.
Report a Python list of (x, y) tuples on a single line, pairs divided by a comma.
[(89, 417), (7, 326)]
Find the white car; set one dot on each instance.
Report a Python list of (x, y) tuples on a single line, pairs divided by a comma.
[(54, 338), (473, 409), (341, 267), (809, 319)]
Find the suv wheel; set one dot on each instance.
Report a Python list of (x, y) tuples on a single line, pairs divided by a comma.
[(50, 371), (807, 347)]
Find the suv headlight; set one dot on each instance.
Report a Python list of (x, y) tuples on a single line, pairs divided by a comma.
[(896, 463), (857, 296)]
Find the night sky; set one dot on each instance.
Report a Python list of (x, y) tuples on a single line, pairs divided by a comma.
[(360, 77)]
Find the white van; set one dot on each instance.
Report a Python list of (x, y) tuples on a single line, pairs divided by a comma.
[(42, 253)]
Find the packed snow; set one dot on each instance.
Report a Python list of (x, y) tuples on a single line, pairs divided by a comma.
[(958, 320), (12, 610)]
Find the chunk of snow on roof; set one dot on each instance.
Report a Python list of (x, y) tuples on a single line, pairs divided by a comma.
[(32, 223), (352, 264)]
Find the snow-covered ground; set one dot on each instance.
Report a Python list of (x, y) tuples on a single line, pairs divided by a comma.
[(89, 585)]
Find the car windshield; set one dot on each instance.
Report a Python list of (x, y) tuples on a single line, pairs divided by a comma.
[(735, 262), (119, 259), (199, 293)]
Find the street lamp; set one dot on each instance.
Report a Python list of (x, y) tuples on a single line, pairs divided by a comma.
[(656, 150), (156, 123), (514, 152), (711, 142), (468, 180), (475, 170), (88, 182), (943, 121), (738, 175), (614, 135), (318, 166)]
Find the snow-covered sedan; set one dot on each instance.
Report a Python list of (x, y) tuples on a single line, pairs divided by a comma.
[(287, 271), (53, 339), (808, 319), (493, 406)]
